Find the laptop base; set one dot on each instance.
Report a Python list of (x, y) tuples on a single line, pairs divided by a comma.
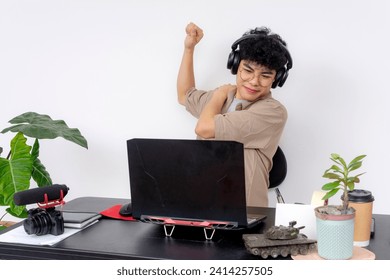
[(169, 224)]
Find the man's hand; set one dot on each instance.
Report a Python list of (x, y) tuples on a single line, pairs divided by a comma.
[(194, 35), (223, 91)]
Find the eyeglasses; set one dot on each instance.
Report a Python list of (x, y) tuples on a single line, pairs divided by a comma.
[(264, 78)]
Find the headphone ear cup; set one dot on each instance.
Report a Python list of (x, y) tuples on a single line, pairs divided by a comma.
[(233, 62), (230, 60), (283, 79), (280, 78)]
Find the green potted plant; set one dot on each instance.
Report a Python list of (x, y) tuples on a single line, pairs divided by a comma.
[(335, 223), (22, 162)]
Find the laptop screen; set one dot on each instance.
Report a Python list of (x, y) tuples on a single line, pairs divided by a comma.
[(187, 179)]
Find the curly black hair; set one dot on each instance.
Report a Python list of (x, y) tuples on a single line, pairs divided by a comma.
[(264, 50)]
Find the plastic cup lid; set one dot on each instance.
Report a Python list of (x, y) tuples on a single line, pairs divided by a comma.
[(360, 196)]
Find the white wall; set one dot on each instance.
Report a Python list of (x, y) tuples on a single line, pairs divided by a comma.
[(108, 67)]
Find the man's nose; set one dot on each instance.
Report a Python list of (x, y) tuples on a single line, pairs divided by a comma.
[(255, 80)]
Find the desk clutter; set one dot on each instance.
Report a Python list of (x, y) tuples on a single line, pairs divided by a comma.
[(71, 223), (45, 230), (149, 241)]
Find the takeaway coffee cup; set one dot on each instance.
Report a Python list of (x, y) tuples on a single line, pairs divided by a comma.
[(362, 201)]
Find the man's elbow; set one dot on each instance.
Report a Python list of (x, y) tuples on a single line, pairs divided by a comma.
[(181, 99), (205, 131)]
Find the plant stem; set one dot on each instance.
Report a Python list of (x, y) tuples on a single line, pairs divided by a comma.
[(345, 201), (345, 194)]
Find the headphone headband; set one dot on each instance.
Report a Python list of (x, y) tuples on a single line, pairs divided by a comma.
[(289, 64), (234, 60)]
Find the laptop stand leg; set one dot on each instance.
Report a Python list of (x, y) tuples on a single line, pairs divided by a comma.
[(209, 236), (168, 233)]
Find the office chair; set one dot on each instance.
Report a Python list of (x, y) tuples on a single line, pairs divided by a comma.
[(279, 169)]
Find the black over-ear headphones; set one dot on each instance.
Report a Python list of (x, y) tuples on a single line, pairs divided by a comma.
[(234, 60)]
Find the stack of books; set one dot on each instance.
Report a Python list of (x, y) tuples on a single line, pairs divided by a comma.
[(79, 219)]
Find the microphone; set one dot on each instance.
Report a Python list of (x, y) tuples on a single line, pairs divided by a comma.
[(37, 195)]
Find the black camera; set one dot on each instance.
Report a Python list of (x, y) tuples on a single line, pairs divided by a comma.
[(44, 221)]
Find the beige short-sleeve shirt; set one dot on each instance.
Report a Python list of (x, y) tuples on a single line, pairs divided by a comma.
[(258, 125)]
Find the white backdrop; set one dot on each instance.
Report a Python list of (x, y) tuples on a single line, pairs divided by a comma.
[(108, 67)]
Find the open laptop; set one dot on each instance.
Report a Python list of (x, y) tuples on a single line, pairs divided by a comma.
[(195, 182)]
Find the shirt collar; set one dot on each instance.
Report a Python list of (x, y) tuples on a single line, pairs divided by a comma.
[(243, 104)]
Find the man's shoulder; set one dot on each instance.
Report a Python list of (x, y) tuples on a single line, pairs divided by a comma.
[(268, 102), (269, 107)]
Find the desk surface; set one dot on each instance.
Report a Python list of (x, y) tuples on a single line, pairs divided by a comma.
[(117, 239)]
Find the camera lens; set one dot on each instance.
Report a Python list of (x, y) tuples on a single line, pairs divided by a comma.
[(38, 222), (44, 223)]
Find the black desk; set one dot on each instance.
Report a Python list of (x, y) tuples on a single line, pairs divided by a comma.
[(115, 239)]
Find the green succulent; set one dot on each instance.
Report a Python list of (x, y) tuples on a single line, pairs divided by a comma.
[(341, 178)]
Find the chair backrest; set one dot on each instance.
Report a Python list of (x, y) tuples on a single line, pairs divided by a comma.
[(279, 169)]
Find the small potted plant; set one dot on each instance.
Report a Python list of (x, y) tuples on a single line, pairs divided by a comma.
[(22, 163), (335, 223)]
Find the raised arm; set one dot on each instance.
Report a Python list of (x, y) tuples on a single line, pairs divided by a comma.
[(186, 77)]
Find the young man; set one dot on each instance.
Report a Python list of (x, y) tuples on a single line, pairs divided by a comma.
[(244, 112)]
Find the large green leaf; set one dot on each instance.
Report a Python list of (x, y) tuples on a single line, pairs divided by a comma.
[(15, 173), (39, 173), (43, 127)]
